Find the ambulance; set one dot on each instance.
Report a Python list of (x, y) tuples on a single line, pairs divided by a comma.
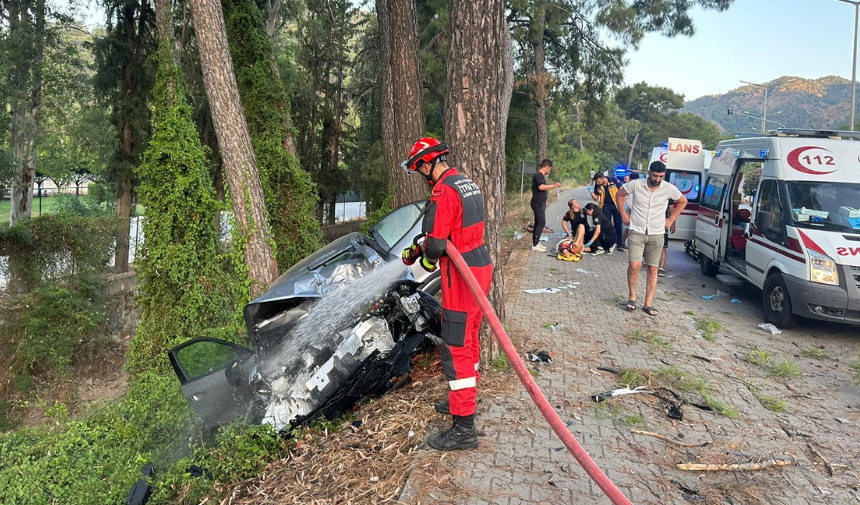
[(686, 162), (800, 241)]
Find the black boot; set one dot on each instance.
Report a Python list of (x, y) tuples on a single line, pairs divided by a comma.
[(461, 435), (442, 407)]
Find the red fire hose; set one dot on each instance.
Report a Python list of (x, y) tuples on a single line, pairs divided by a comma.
[(534, 391)]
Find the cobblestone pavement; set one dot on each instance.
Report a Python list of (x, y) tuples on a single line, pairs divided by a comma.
[(772, 397)]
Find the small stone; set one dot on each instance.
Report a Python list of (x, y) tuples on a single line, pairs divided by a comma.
[(790, 387)]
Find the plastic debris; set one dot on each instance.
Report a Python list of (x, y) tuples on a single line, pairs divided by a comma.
[(582, 270), (544, 238), (675, 412), (374, 478), (735, 300), (618, 392), (843, 420), (545, 290), (540, 356), (518, 236), (410, 434), (709, 297), (720, 293), (771, 328)]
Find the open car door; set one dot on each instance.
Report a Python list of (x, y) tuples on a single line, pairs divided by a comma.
[(208, 368)]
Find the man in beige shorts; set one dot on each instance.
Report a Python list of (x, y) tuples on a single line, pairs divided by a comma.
[(647, 221)]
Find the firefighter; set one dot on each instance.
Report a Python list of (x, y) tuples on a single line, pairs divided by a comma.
[(456, 213)]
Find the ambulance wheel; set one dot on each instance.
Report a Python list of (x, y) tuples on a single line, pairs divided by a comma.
[(709, 268), (777, 302)]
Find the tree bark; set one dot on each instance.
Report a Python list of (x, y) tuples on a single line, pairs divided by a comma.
[(541, 80), (402, 94), (633, 144), (473, 122), (240, 164), (26, 107)]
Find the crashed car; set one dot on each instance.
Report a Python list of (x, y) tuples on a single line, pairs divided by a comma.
[(334, 328)]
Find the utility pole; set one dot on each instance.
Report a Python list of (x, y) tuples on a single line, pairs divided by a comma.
[(856, 5)]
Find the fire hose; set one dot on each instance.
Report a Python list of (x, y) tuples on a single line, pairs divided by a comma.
[(555, 422)]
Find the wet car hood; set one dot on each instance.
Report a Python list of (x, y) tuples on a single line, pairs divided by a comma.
[(347, 258)]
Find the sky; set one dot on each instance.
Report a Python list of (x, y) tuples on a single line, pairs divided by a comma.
[(754, 40)]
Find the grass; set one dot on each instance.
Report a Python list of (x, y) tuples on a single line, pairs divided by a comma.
[(785, 368), (500, 363), (48, 206), (764, 359), (813, 352), (692, 384), (768, 402), (632, 378), (690, 313), (708, 328), (855, 367), (650, 337), (759, 357), (616, 413), (508, 233)]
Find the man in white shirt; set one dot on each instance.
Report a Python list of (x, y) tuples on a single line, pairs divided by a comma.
[(647, 222)]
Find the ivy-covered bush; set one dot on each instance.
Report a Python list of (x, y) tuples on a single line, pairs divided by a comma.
[(184, 288), (54, 246), (291, 196)]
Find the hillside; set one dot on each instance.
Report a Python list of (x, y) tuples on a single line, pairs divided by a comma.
[(801, 103)]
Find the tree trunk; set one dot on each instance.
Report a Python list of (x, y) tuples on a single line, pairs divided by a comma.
[(473, 121), (541, 81), (26, 108), (633, 144), (402, 92), (508, 82), (123, 234), (240, 165)]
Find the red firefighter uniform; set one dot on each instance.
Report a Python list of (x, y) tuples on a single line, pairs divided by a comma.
[(456, 213)]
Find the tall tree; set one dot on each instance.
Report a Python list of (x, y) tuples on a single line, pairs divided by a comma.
[(473, 119), (124, 79), (403, 105), (291, 195), (25, 50), (646, 104), (240, 164)]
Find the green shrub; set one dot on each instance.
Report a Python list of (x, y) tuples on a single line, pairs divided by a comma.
[(54, 322)]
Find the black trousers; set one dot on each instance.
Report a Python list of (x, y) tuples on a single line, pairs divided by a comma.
[(613, 214), (540, 221), (603, 240)]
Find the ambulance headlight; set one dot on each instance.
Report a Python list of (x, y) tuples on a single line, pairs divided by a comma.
[(822, 269)]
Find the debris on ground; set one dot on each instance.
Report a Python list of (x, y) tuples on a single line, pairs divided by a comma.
[(618, 392), (735, 300), (709, 297), (540, 356), (675, 412), (771, 328), (545, 290), (733, 467)]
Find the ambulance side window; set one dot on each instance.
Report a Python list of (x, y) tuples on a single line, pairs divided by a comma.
[(713, 194), (769, 214)]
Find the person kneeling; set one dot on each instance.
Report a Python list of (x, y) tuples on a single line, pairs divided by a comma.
[(603, 237)]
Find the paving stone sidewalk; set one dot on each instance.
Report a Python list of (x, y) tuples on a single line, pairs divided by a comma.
[(521, 461)]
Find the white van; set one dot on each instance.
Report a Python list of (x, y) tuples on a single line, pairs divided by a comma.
[(802, 247), (685, 162)]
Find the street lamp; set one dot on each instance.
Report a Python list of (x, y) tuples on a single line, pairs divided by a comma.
[(856, 5), (765, 86)]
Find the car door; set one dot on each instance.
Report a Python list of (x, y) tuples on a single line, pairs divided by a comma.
[(710, 220), (204, 366), (395, 232)]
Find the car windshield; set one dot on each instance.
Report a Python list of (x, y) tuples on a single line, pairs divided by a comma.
[(394, 226), (828, 205)]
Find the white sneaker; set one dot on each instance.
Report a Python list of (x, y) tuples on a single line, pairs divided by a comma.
[(597, 252), (611, 249), (539, 248)]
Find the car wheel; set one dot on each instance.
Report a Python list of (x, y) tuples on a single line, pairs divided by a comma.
[(777, 302), (709, 268), (433, 284)]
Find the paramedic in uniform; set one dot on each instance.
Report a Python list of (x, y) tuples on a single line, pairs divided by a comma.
[(456, 213)]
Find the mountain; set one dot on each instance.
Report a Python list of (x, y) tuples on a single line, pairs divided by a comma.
[(794, 102)]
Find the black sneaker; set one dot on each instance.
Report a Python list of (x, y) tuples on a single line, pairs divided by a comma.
[(661, 272), (611, 250)]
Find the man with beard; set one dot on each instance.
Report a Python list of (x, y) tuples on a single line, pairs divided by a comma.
[(649, 198)]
